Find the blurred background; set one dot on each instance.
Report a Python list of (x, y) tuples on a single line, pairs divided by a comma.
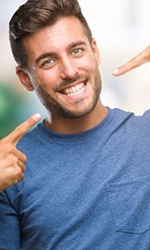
[(121, 28)]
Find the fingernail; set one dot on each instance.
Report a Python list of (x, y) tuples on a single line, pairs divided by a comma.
[(115, 72), (36, 116)]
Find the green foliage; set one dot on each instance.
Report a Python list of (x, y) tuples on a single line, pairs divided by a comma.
[(11, 108)]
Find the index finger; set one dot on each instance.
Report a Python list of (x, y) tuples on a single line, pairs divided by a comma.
[(21, 130), (141, 58)]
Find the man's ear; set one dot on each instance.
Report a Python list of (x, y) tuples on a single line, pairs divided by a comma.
[(96, 51), (24, 78)]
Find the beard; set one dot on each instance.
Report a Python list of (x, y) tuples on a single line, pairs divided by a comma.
[(53, 106)]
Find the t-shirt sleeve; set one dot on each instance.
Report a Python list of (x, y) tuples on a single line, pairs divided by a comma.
[(9, 224)]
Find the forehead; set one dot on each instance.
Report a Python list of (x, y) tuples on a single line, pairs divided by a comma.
[(66, 30)]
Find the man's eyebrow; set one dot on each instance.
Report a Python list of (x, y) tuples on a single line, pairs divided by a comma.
[(75, 44), (42, 56)]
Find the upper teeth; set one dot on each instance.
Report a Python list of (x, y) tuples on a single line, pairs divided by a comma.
[(74, 90)]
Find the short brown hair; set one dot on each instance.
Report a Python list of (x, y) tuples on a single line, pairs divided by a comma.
[(36, 14)]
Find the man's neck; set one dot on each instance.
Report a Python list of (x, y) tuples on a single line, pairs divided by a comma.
[(74, 126)]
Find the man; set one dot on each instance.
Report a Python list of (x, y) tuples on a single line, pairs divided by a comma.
[(10, 171), (86, 183)]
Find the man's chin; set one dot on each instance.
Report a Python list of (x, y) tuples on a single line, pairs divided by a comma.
[(75, 114)]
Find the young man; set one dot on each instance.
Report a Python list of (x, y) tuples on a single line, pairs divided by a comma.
[(87, 175)]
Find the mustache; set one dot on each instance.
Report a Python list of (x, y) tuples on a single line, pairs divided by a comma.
[(68, 81)]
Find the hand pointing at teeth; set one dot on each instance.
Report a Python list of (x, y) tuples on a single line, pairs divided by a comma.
[(135, 62), (12, 161)]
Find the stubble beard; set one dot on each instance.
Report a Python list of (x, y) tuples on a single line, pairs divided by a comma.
[(58, 110)]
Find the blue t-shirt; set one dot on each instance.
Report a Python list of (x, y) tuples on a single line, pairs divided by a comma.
[(88, 191)]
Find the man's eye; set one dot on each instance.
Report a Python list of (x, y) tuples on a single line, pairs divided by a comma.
[(77, 51), (48, 63)]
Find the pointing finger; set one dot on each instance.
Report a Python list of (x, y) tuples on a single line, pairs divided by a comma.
[(21, 130), (135, 62)]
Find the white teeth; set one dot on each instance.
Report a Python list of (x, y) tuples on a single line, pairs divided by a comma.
[(76, 90)]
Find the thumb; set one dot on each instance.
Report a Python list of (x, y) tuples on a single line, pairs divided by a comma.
[(21, 130)]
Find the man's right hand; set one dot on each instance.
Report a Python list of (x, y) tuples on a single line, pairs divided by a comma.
[(12, 161)]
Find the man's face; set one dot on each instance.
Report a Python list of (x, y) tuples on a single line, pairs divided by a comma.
[(63, 68)]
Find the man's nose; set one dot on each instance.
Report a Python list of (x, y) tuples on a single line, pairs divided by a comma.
[(68, 68)]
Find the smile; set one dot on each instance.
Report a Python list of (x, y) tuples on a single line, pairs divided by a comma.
[(75, 90)]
